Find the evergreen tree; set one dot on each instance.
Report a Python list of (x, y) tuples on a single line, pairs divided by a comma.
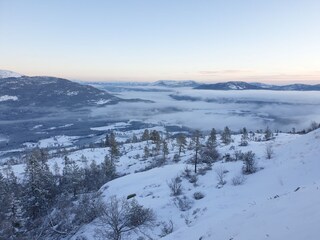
[(66, 178), (107, 141), (197, 148), (114, 148), (226, 136), (155, 136), (249, 163), (39, 185), (134, 138), (268, 134), (244, 137), (109, 168), (92, 177), (165, 149), (212, 140), (11, 219), (76, 178), (182, 142), (146, 152), (145, 135)]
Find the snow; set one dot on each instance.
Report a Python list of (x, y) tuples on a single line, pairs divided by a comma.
[(3, 139), (59, 127), (7, 74), (111, 127), (72, 93), (265, 206), (280, 201), (103, 101), (8, 98), (57, 141)]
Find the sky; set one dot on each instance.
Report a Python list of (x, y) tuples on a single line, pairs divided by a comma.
[(274, 41)]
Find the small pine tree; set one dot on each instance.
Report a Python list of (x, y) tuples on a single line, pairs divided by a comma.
[(134, 138), (114, 148), (146, 152), (109, 168), (197, 148), (226, 136), (155, 136), (76, 178), (212, 140), (244, 137), (145, 136), (249, 163), (268, 134), (182, 142), (165, 150), (107, 141)]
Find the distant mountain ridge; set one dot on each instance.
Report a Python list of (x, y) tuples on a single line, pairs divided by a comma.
[(7, 74), (50, 92), (239, 85), (174, 83), (230, 85)]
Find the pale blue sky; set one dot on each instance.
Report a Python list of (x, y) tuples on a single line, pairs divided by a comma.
[(146, 40)]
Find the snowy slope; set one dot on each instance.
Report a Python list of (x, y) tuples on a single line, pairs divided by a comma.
[(7, 74), (275, 210), (280, 201)]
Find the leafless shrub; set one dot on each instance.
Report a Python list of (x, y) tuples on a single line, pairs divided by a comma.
[(220, 173), (167, 228), (175, 186), (238, 180), (187, 172), (119, 216), (269, 151), (183, 203), (193, 179)]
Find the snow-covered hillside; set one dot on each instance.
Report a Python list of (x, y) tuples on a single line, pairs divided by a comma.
[(280, 201), (7, 74)]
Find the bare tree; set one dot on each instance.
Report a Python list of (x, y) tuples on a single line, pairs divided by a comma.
[(120, 216), (269, 151), (220, 173)]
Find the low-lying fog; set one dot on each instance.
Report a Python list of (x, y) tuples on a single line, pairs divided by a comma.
[(204, 109)]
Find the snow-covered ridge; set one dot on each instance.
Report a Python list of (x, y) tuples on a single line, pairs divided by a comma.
[(8, 98), (7, 74), (174, 83)]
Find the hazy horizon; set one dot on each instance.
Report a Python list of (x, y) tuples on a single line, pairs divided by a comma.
[(312, 82)]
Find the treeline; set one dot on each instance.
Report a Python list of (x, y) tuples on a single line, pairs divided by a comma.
[(42, 203)]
